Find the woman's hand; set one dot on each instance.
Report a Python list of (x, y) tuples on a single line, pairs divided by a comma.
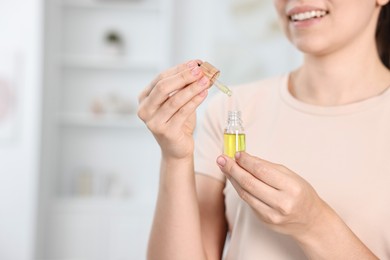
[(168, 104), (281, 198)]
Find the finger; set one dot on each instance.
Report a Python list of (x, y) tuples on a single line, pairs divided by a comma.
[(249, 183), (266, 213), (175, 104), (162, 91), (168, 73), (179, 118), (177, 69), (269, 173)]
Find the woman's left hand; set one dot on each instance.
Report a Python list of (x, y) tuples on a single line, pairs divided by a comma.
[(281, 198)]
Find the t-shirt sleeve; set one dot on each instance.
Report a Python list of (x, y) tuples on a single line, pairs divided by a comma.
[(209, 141)]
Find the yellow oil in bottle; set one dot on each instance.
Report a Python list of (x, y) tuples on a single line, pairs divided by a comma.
[(233, 143)]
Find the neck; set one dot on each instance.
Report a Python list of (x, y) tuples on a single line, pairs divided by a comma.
[(345, 76)]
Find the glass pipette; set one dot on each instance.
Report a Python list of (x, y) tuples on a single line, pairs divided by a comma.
[(222, 87)]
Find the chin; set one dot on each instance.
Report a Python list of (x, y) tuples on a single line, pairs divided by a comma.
[(312, 47)]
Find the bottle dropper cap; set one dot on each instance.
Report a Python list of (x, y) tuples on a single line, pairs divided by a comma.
[(210, 71), (213, 73)]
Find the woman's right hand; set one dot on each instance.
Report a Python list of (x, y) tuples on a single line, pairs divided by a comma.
[(168, 104)]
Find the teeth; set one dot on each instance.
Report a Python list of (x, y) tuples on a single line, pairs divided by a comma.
[(307, 15)]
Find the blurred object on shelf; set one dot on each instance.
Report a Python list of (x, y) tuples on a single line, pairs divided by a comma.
[(10, 77), (5, 99), (97, 107), (94, 183), (116, 187), (113, 104), (114, 43), (84, 182)]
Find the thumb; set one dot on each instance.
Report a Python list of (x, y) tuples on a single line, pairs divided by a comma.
[(226, 164)]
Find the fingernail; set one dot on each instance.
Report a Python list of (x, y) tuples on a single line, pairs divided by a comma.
[(203, 81), (237, 155), (195, 71), (221, 161), (192, 64)]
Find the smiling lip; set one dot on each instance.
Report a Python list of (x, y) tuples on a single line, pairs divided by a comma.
[(306, 15)]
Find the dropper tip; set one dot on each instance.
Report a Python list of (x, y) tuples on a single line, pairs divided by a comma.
[(223, 88)]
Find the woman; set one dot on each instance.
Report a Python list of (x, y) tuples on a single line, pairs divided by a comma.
[(313, 181)]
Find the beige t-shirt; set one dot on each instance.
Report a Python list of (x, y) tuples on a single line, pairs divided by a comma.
[(342, 151)]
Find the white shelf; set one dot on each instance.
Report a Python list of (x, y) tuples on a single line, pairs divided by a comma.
[(123, 5), (101, 121), (81, 70), (105, 63)]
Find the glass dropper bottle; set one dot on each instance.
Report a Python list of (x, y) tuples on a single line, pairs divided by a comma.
[(234, 134), (213, 73)]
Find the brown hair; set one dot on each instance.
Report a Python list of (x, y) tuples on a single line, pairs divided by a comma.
[(383, 35)]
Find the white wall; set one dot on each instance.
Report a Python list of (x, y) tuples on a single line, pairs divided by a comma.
[(193, 29), (20, 28)]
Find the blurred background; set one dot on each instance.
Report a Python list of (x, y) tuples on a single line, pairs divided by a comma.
[(78, 170)]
